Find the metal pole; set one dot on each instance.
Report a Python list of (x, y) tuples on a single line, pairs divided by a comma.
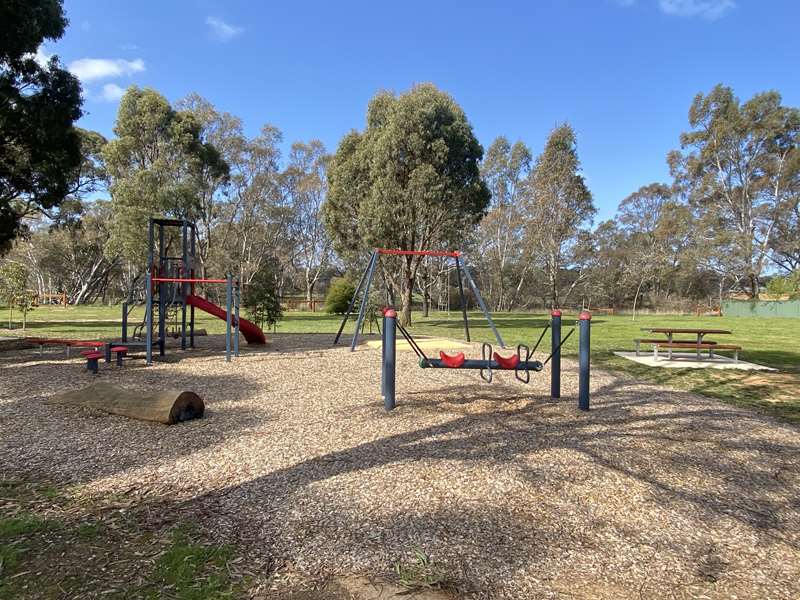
[(383, 357), (585, 325), (364, 301), (191, 289), (124, 321), (162, 317), (463, 300), (184, 286), (485, 310), (236, 298), (352, 303), (389, 354), (229, 288), (555, 361), (148, 311)]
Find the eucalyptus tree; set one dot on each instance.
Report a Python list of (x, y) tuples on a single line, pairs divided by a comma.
[(739, 169), (411, 180), (40, 149), (558, 207), (500, 233), (307, 185)]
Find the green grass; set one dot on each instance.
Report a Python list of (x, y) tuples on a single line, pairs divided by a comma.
[(79, 548), (773, 342)]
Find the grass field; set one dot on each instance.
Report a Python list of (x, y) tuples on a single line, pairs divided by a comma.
[(769, 341)]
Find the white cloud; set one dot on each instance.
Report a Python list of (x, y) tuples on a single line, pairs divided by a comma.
[(709, 9), (111, 92), (89, 69), (42, 56), (221, 30)]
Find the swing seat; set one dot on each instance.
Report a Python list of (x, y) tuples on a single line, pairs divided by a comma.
[(452, 362), (512, 362)]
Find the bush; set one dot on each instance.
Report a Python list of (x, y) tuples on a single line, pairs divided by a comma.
[(261, 299), (785, 286), (339, 295)]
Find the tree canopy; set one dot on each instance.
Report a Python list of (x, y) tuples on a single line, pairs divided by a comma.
[(40, 149), (410, 180)]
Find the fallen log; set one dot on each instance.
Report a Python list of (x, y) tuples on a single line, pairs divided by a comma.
[(167, 406)]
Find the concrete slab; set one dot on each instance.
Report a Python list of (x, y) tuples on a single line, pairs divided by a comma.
[(426, 343), (689, 360)]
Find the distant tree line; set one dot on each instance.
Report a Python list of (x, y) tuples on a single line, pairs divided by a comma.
[(74, 206)]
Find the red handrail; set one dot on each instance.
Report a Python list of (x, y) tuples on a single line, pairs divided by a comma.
[(187, 280), (455, 254)]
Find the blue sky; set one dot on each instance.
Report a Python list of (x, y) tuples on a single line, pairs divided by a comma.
[(622, 72)]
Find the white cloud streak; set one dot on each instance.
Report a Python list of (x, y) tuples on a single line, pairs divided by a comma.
[(221, 30), (708, 9), (91, 69), (111, 92)]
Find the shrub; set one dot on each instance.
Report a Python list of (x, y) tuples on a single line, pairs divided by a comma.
[(261, 298), (339, 295)]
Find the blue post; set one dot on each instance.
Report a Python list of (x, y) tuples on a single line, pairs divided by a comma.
[(229, 288), (585, 323), (389, 354), (124, 321), (237, 299), (555, 362), (383, 357), (148, 311)]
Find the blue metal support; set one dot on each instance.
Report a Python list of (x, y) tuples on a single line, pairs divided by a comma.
[(229, 298), (184, 286), (555, 361), (364, 301), (373, 257), (148, 311), (462, 299), (485, 311), (585, 325), (383, 357), (237, 299), (389, 358)]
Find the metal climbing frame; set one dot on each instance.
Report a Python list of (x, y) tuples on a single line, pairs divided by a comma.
[(362, 292)]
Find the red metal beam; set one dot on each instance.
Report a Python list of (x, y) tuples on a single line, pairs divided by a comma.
[(187, 280), (455, 254)]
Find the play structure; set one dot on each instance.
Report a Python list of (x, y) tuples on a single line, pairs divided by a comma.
[(170, 293), (362, 292), (520, 363)]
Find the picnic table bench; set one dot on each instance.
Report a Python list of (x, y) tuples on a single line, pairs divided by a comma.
[(699, 343)]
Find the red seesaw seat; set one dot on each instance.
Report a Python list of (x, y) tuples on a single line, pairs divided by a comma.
[(512, 362), (453, 362)]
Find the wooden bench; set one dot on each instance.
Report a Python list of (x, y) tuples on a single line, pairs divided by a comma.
[(662, 341), (710, 346)]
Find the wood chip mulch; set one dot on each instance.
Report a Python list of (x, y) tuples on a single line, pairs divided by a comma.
[(654, 493)]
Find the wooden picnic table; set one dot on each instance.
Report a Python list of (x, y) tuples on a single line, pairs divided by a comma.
[(700, 332)]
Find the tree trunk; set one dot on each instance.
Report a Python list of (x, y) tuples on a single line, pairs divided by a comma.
[(636, 298), (407, 292)]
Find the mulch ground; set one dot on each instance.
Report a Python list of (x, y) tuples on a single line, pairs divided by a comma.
[(654, 493)]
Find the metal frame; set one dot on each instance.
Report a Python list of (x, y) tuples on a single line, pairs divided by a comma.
[(362, 290)]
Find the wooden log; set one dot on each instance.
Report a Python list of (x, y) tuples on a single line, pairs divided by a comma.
[(167, 406)]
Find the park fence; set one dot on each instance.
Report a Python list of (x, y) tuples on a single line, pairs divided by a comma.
[(761, 308)]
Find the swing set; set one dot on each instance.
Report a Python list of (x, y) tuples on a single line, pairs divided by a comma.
[(521, 362)]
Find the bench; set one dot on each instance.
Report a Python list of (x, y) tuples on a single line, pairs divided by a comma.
[(662, 341), (710, 346)]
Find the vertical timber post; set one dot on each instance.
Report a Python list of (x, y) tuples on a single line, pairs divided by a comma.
[(555, 361), (229, 298), (585, 325), (389, 355)]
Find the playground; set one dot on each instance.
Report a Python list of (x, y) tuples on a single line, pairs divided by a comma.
[(506, 491)]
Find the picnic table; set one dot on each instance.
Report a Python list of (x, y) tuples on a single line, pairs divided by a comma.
[(699, 343)]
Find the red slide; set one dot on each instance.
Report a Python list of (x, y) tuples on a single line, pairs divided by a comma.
[(249, 330)]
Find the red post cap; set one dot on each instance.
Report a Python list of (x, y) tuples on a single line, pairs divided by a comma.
[(585, 315), (555, 313), (390, 312)]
